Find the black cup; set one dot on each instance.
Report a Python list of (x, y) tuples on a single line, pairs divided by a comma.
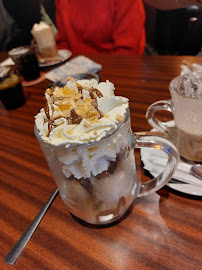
[(26, 61), (11, 92)]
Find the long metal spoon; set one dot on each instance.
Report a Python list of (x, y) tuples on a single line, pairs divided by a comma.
[(197, 170), (16, 250)]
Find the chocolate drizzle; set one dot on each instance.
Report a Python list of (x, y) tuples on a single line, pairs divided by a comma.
[(80, 89), (74, 118), (52, 89), (95, 93), (46, 110), (67, 102)]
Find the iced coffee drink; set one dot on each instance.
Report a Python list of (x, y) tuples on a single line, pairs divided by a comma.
[(85, 134), (94, 167), (44, 36)]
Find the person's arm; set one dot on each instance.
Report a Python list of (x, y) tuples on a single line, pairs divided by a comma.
[(128, 29), (172, 4)]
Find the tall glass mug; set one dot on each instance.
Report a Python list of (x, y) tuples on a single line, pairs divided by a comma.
[(45, 40), (186, 107), (102, 197)]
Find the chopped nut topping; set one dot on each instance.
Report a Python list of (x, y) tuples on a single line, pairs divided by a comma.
[(71, 105), (119, 118), (48, 91), (86, 125)]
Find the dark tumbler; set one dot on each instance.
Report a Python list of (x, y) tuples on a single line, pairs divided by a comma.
[(26, 61), (11, 91)]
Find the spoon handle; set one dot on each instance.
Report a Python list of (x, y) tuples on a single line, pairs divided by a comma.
[(16, 250)]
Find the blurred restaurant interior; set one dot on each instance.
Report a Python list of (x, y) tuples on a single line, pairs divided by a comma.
[(168, 32)]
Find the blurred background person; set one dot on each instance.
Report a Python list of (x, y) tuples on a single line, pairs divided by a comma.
[(173, 27), (172, 4), (17, 19), (109, 26), (101, 26)]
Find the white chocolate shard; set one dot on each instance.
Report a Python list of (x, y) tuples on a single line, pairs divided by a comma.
[(72, 85), (105, 104), (106, 88)]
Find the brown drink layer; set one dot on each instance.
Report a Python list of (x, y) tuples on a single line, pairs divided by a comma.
[(49, 52), (87, 188), (26, 62), (189, 145)]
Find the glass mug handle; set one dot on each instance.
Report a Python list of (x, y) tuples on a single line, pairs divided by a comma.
[(173, 159), (162, 105)]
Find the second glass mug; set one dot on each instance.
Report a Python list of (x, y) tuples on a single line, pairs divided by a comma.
[(186, 106), (102, 198)]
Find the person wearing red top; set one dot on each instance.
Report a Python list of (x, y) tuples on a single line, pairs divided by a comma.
[(101, 26)]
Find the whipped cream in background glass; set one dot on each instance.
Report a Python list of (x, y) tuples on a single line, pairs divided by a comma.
[(45, 39), (85, 134)]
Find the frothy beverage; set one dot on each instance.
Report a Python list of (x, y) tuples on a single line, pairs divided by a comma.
[(85, 133), (186, 106), (44, 36), (189, 145), (186, 93)]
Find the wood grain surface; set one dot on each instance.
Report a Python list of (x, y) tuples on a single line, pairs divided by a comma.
[(161, 231)]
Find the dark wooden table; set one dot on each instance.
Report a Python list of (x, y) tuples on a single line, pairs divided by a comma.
[(163, 230)]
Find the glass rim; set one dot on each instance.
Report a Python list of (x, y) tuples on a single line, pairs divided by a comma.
[(16, 51), (181, 76), (127, 117)]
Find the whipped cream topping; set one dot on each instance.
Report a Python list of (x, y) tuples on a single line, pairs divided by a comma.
[(80, 112), (83, 111)]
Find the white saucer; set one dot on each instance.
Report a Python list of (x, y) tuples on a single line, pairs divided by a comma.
[(182, 187), (186, 188), (63, 55)]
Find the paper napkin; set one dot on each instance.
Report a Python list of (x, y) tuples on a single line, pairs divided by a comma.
[(7, 62), (155, 161), (79, 64)]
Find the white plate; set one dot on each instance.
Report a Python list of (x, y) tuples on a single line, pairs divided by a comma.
[(184, 188), (63, 55)]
